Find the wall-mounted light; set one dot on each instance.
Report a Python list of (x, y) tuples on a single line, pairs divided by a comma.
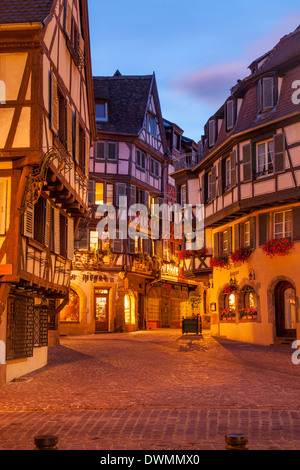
[(251, 275)]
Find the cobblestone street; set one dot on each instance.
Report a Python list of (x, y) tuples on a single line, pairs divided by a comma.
[(155, 390)]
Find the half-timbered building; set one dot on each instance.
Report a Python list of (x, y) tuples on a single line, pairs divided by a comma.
[(248, 180), (46, 126), (122, 282)]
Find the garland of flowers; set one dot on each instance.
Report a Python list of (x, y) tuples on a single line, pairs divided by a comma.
[(241, 255), (187, 254), (221, 261), (278, 246)]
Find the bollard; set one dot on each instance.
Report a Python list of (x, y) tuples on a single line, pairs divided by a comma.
[(46, 442), (236, 442)]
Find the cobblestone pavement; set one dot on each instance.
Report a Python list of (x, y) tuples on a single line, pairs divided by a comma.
[(155, 390)]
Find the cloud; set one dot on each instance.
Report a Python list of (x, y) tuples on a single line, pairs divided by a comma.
[(212, 85)]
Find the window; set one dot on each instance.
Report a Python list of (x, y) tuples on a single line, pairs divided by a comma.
[(99, 193), (225, 243), (264, 158), (109, 194), (141, 160), (247, 234), (266, 93), (151, 125), (99, 151), (154, 168), (176, 141), (183, 195), (283, 224), (211, 132), (82, 148), (101, 112), (94, 240), (227, 173), (112, 151), (70, 313), (129, 308), (62, 113), (230, 118)]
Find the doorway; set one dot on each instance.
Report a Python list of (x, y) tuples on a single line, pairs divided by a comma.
[(101, 310), (285, 310)]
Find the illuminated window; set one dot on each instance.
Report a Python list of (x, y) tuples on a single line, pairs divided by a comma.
[(99, 193), (109, 194), (94, 240), (129, 308), (70, 313), (247, 234)]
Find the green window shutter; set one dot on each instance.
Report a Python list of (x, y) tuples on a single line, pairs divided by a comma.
[(247, 163)]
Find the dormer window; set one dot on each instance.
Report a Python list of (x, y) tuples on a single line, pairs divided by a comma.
[(230, 114), (266, 93), (101, 112), (212, 132)]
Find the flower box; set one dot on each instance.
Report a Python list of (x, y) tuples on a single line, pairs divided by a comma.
[(188, 254), (221, 261), (278, 246), (241, 255)]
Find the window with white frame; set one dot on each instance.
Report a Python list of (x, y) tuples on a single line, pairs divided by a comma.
[(247, 234), (283, 224), (154, 168), (266, 93), (264, 157)]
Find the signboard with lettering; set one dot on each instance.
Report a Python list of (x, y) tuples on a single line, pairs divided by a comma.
[(169, 271)]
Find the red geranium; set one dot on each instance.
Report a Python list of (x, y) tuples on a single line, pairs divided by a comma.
[(187, 254), (278, 246), (242, 255), (220, 261)]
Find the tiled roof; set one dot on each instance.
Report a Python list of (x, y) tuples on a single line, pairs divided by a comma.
[(24, 11), (127, 98), (284, 56)]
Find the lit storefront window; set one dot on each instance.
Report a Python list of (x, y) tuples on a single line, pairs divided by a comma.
[(130, 309), (71, 311)]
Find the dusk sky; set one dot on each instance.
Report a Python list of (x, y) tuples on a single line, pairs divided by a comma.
[(198, 50)]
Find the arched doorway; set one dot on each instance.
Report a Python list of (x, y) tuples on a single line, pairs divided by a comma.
[(285, 309)]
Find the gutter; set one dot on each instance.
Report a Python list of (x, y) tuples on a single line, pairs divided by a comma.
[(20, 26)]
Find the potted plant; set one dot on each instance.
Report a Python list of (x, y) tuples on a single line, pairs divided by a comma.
[(230, 287), (228, 314)]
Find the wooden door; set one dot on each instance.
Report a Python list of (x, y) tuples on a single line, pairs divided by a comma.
[(285, 310), (101, 310)]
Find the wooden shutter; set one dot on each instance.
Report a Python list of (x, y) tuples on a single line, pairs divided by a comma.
[(29, 216), (54, 105), (131, 245), (70, 242), (3, 198), (229, 240), (213, 182), (247, 163), (296, 223), (69, 129), (77, 144), (211, 132), (47, 223), (56, 234), (268, 92), (220, 178), (132, 194), (237, 243), (216, 244), (279, 152), (252, 232), (263, 228), (120, 191), (233, 168), (91, 192), (259, 94), (203, 191)]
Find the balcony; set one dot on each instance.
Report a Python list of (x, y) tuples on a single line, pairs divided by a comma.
[(187, 160), (198, 267)]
